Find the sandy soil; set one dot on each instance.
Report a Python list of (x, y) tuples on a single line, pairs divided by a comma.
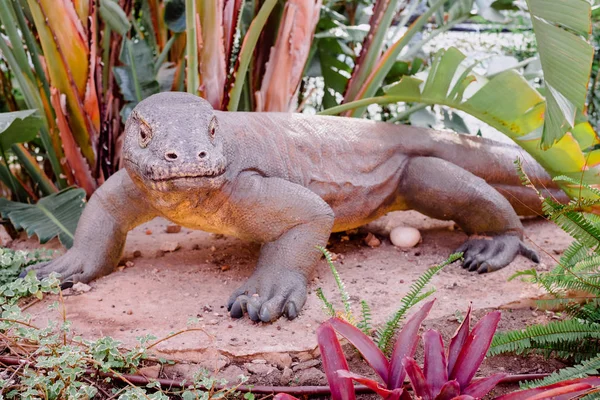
[(157, 292)]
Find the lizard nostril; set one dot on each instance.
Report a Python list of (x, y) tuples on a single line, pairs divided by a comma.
[(202, 154), (171, 156)]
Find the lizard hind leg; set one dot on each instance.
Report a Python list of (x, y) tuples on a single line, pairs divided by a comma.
[(442, 190)]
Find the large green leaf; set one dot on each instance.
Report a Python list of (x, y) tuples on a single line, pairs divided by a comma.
[(18, 127), (54, 215), (114, 16), (561, 29)]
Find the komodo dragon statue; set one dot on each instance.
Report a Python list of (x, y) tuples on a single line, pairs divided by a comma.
[(289, 180)]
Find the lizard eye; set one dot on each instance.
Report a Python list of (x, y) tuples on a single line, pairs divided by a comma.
[(212, 127), (145, 135)]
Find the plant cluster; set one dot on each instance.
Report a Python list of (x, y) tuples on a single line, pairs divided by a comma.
[(49, 363), (385, 333), (12, 262), (446, 374), (574, 285)]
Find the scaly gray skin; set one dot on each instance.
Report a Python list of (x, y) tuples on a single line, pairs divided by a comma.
[(288, 181)]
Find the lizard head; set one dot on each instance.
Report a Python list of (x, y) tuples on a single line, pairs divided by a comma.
[(173, 142)]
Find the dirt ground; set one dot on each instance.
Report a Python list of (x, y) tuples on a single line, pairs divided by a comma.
[(157, 291)]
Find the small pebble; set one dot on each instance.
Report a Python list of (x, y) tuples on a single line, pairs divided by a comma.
[(173, 228), (372, 241), (129, 264), (405, 237), (225, 268), (137, 254), (148, 232), (81, 287), (170, 246)]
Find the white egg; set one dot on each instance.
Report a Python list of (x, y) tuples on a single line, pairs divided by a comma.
[(405, 237)]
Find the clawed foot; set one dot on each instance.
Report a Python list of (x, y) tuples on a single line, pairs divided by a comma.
[(493, 253), (266, 297), (71, 267)]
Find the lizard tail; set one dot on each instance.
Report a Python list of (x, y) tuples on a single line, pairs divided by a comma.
[(494, 162)]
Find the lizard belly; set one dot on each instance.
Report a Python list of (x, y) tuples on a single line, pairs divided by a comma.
[(354, 206)]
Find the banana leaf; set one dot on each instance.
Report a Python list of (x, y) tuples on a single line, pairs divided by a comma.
[(54, 215)]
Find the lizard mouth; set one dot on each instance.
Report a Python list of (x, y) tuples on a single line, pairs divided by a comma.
[(210, 174)]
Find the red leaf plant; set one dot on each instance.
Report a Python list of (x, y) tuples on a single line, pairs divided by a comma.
[(564, 390), (446, 375)]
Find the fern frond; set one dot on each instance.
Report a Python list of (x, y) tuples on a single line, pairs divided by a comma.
[(340, 284), (542, 335), (588, 264), (423, 296), (365, 322), (573, 351), (590, 311), (568, 179), (385, 333), (589, 284), (576, 252), (327, 306), (586, 368), (575, 224), (593, 218), (525, 181)]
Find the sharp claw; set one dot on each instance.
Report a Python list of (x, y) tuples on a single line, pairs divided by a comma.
[(467, 264), (290, 310), (238, 308), (485, 267), (265, 315), (253, 313), (254, 306), (474, 265), (66, 285)]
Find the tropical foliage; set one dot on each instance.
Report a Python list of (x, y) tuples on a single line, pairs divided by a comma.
[(447, 374), (574, 287), (78, 68)]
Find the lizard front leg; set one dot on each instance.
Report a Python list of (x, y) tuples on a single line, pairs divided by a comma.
[(114, 209), (291, 221), (442, 190)]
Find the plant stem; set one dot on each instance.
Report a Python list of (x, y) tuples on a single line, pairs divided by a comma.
[(30, 165), (106, 36), (418, 46), (136, 81), (407, 112), (10, 174), (247, 50), (358, 103), (388, 59), (165, 52), (191, 47)]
